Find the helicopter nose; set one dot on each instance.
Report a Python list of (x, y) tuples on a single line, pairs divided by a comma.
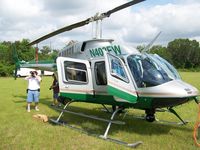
[(172, 89), (179, 88), (169, 94), (188, 89)]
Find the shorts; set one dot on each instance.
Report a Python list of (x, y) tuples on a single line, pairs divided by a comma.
[(55, 95), (33, 96)]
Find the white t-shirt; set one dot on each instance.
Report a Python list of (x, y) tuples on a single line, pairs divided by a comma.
[(33, 82)]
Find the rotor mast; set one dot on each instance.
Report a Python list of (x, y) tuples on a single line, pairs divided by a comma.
[(96, 26)]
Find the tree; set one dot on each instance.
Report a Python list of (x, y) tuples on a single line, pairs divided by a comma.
[(24, 51), (54, 54), (185, 53), (45, 50), (4, 53), (162, 51), (45, 53), (140, 47)]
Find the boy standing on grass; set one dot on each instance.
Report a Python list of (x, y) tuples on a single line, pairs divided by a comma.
[(55, 88), (33, 90)]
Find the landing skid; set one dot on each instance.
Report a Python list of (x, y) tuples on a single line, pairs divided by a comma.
[(183, 122), (162, 121), (105, 136), (111, 110), (173, 123), (170, 110)]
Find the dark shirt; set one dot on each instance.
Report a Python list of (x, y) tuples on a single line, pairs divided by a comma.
[(55, 86)]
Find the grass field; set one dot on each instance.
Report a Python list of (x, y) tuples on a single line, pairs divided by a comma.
[(19, 130)]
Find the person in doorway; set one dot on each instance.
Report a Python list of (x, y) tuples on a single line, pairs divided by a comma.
[(55, 87), (33, 90)]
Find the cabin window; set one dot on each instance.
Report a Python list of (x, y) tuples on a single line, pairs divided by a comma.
[(100, 73), (75, 72), (117, 68)]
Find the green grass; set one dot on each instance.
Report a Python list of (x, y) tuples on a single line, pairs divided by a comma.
[(19, 130)]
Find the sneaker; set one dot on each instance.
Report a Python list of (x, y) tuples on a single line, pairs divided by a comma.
[(36, 108), (59, 105), (52, 104)]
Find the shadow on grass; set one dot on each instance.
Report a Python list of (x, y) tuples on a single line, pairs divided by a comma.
[(92, 126), (22, 98), (132, 125)]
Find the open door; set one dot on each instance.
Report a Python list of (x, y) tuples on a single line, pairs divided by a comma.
[(75, 79), (119, 83)]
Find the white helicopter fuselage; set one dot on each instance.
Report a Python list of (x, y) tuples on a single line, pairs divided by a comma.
[(101, 71)]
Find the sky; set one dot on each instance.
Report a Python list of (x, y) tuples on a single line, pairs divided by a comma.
[(135, 25)]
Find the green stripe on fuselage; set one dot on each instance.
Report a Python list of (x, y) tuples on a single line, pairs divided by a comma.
[(140, 103), (121, 94), (82, 97)]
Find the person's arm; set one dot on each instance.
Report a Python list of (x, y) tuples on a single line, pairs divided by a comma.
[(38, 78), (55, 85), (27, 78)]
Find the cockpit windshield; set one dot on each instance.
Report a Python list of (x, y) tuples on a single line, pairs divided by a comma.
[(151, 70)]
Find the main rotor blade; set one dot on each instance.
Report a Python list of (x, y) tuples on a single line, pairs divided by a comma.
[(82, 23), (133, 2), (67, 28)]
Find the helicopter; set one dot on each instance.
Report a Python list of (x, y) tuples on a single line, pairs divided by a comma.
[(104, 72)]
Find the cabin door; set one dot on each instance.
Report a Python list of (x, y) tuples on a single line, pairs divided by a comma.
[(119, 83), (75, 78), (99, 77)]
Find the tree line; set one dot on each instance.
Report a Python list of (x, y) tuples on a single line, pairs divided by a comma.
[(182, 53), (24, 52)]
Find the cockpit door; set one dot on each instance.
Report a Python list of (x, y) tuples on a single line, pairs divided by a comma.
[(119, 83), (75, 78)]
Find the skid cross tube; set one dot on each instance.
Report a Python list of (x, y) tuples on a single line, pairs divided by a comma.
[(115, 140), (91, 117), (110, 122), (175, 113), (57, 120), (97, 118), (168, 110), (107, 110)]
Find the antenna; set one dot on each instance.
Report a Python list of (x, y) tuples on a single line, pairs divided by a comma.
[(147, 48)]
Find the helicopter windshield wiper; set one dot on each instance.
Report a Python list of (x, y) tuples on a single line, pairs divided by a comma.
[(86, 21)]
